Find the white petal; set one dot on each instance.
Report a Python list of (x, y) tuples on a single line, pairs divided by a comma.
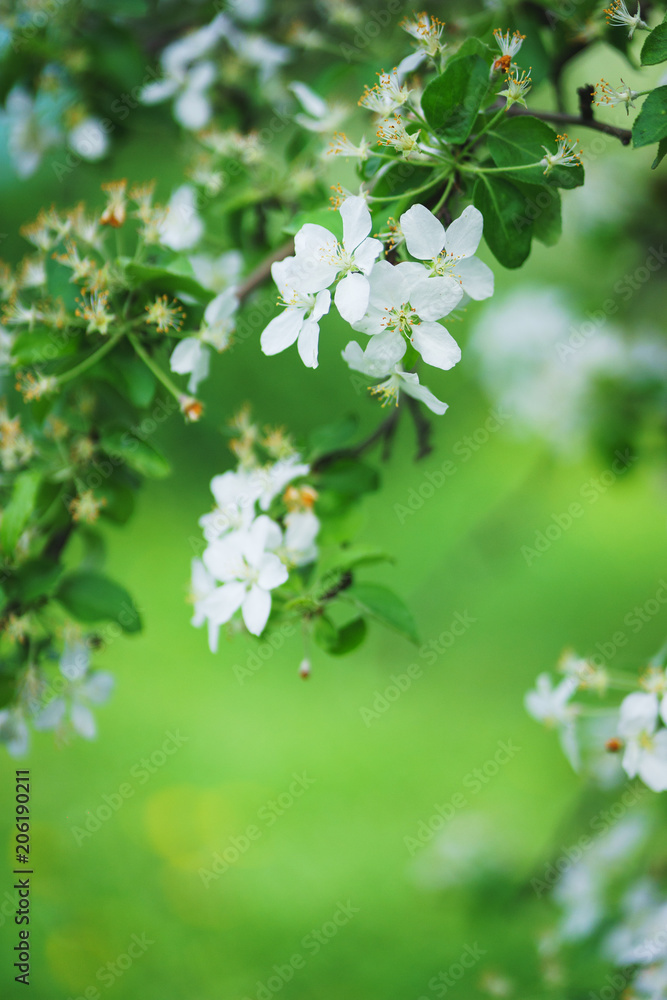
[(322, 305), (213, 636), (83, 721), (653, 763), (98, 687), (186, 355), (356, 222), (476, 277), (436, 345), (159, 90), (224, 557), (424, 234), (224, 602), (200, 371), (410, 63), (351, 297), (367, 253), (222, 307), (382, 354), (435, 297), (192, 109), (308, 342), (282, 331), (256, 609), (463, 236), (639, 712), (309, 100), (50, 715), (410, 384), (272, 572)]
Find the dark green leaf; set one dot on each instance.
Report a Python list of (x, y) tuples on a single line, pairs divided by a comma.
[(39, 346), (140, 456), (507, 227), (19, 510), (384, 605), (119, 502), (91, 597), (349, 476), (543, 209), (35, 579), (338, 641), (175, 277), (451, 102), (651, 123), (518, 141), (331, 437), (654, 49), (660, 155)]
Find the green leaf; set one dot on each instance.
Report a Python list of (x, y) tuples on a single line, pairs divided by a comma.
[(139, 455), (650, 125), (20, 508), (543, 208), (344, 559), (507, 227), (451, 102), (35, 579), (175, 277), (134, 378), (338, 641), (654, 49), (384, 606), (119, 502), (518, 141), (317, 217), (348, 476), (660, 155), (332, 437), (39, 346), (91, 597)]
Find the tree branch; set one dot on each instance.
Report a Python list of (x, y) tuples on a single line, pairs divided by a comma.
[(263, 270), (561, 118)]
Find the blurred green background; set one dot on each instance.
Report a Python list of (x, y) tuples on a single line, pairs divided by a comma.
[(344, 840)]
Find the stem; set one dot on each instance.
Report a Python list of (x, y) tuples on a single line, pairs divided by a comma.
[(445, 195), (492, 121), (92, 359), (160, 375), (497, 170), (410, 194), (423, 428)]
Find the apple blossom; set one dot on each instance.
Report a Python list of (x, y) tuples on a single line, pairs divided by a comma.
[(300, 320), (450, 251)]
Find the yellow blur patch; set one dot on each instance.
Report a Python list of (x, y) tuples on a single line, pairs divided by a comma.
[(75, 954), (185, 825)]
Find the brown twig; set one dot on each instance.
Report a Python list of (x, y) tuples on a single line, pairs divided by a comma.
[(263, 270), (561, 118), (423, 428)]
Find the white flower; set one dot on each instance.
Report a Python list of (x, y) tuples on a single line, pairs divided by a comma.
[(612, 96), (218, 273), (301, 530), (29, 135), (274, 478), (75, 660), (381, 358), (450, 251), (85, 690), (550, 705), (518, 85), (618, 14), (386, 96), (319, 116), (184, 78), (190, 356), (248, 573), (14, 731), (645, 749), (568, 154), (405, 301), (182, 227), (300, 320), (320, 259), (509, 45), (89, 139), (235, 495), (428, 33)]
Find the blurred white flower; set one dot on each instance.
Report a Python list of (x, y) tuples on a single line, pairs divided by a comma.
[(183, 226), (89, 139), (30, 133), (551, 706), (645, 746), (14, 731), (218, 273), (317, 115)]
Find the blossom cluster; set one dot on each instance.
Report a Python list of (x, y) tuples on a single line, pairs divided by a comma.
[(262, 526), (397, 305), (636, 730)]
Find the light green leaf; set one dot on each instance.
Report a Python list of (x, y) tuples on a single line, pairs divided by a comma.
[(137, 454), (654, 49), (384, 606), (20, 508)]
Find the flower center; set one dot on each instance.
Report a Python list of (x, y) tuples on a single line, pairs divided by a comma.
[(401, 319)]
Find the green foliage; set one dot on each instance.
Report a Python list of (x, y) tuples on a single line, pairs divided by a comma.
[(451, 102), (20, 508), (651, 123), (654, 49), (520, 141), (91, 597), (384, 606), (507, 229)]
